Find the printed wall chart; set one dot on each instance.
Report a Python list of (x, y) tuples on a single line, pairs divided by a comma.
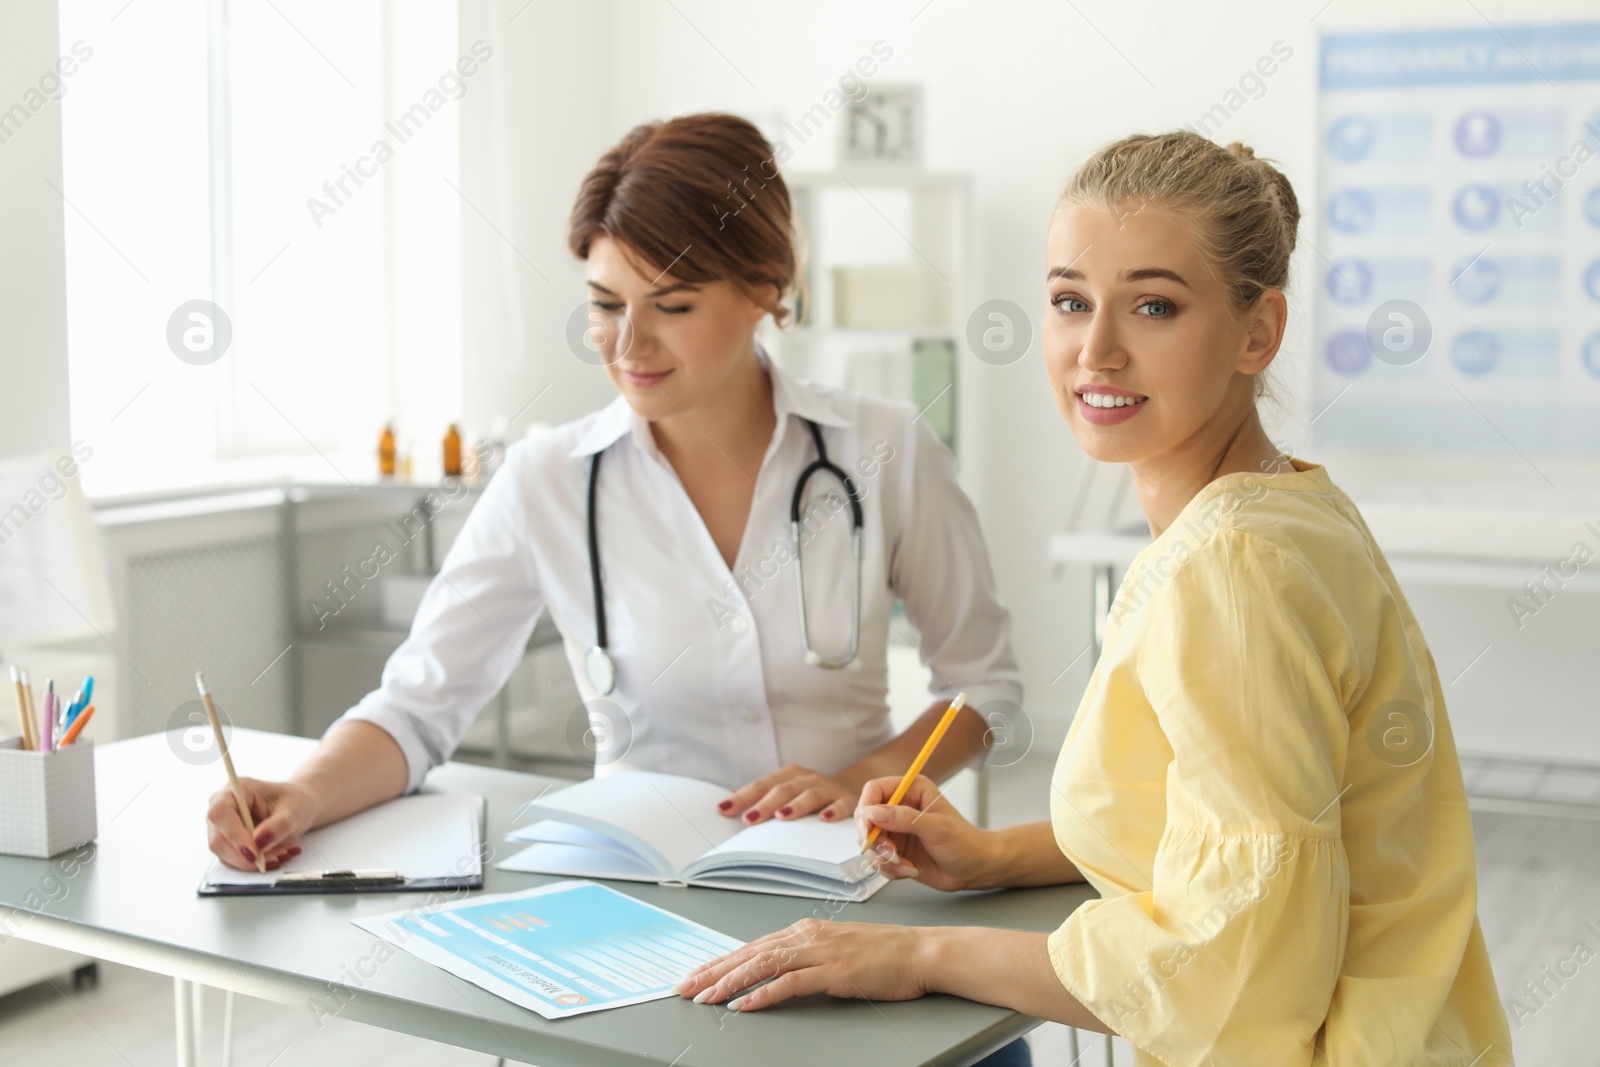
[(1458, 240)]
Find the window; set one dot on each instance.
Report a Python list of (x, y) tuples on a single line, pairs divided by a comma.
[(294, 163)]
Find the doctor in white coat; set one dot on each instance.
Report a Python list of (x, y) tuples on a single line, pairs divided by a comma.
[(657, 532)]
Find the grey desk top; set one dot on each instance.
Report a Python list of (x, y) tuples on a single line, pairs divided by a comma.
[(134, 902)]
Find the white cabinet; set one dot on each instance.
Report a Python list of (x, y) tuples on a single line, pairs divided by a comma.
[(22, 963)]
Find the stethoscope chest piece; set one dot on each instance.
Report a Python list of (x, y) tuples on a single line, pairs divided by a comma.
[(602, 672)]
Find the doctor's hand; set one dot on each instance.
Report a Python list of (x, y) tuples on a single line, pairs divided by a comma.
[(924, 837), (789, 793), (279, 810)]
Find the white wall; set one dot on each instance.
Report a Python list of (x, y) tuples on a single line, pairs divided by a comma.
[(1016, 95), (526, 143), (33, 310), (33, 286)]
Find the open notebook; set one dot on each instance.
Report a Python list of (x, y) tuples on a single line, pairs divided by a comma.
[(645, 827), (418, 842)]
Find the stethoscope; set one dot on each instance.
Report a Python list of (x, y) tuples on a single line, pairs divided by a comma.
[(602, 670)]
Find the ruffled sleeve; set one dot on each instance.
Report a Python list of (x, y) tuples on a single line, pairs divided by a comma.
[(1231, 950)]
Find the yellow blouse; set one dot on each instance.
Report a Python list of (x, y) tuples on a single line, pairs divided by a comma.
[(1262, 785)]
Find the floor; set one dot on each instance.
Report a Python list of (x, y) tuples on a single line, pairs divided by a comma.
[(1539, 884)]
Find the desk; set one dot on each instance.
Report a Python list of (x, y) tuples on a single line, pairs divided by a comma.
[(1424, 546), (135, 903)]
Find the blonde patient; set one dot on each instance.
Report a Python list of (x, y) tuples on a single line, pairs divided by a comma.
[(1260, 781)]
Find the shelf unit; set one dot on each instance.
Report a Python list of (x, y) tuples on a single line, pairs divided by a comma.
[(885, 287)]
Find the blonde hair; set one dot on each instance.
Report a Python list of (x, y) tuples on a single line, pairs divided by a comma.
[(1242, 209)]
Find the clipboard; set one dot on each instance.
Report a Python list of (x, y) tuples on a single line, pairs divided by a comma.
[(425, 841)]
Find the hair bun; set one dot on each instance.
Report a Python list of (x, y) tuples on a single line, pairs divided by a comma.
[(1242, 151)]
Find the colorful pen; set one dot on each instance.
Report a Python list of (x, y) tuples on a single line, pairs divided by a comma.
[(47, 717), (81, 701), (77, 726)]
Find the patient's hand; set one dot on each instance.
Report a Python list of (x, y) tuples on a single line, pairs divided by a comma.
[(925, 837), (790, 793)]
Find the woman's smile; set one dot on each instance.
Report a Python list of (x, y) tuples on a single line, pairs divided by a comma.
[(640, 379), (1104, 405)]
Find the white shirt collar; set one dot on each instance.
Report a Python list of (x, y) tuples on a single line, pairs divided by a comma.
[(790, 396)]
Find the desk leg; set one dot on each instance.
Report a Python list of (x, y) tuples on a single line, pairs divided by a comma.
[(186, 1006), (1072, 1046), (502, 726), (199, 1021), (1104, 577), (227, 1028)]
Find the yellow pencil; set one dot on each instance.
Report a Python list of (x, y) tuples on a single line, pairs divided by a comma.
[(921, 761), (233, 778)]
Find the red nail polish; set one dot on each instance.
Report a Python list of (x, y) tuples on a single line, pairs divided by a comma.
[(751, 816), (827, 815), (263, 838), (725, 805), (249, 857), (786, 811), (295, 851)]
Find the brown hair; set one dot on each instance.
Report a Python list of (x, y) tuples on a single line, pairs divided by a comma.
[(1243, 210), (700, 196)]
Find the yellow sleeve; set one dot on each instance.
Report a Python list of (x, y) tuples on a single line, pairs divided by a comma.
[(1232, 955)]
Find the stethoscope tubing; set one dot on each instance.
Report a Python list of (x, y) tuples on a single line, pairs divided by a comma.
[(823, 463), (601, 669)]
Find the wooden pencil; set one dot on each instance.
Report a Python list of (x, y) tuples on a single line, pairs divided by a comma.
[(233, 778), (22, 708)]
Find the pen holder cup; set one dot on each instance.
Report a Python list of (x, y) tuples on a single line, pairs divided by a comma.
[(46, 798)]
